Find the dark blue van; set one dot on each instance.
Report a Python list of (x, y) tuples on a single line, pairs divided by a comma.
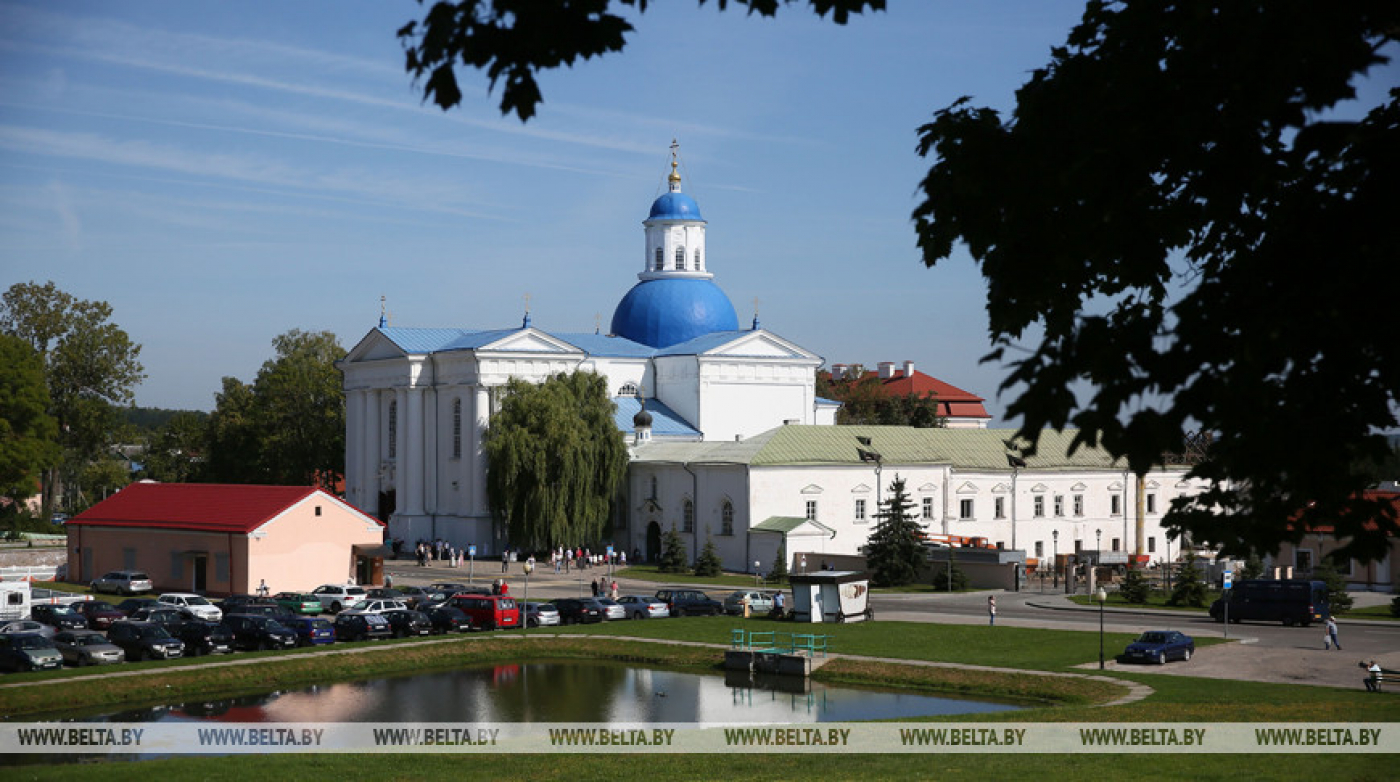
[(1290, 602)]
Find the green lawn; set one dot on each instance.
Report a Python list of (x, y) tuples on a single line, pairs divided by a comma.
[(652, 574), (1154, 600), (1371, 612)]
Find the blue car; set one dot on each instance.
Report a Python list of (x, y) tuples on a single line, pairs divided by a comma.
[(311, 631), (1159, 646)]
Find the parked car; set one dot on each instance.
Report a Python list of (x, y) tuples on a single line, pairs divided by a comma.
[(312, 630), (87, 647), (26, 626), (578, 610), (406, 622), (384, 593), (1159, 646), (234, 604), (689, 602), (488, 612), (644, 607), (168, 617), (337, 597), (612, 609), (195, 604), (125, 582), (759, 602), (131, 605), (203, 637), (28, 652), (541, 614), (299, 603), (59, 617), (447, 619), (371, 606), (99, 614), (419, 598), (362, 627), (145, 640), (252, 631)]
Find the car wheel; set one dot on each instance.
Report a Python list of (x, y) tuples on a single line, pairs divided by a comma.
[(1288, 621), (1186, 656), (264, 645), (1161, 658), (335, 608)]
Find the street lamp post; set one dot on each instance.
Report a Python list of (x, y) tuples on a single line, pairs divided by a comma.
[(1055, 536), (757, 577), (803, 569), (1101, 596), (1098, 555), (529, 568)]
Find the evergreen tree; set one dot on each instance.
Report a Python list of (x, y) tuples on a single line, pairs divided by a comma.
[(1253, 568), (778, 574), (1135, 587), (1338, 601), (940, 576), (894, 552), (1190, 590), (672, 552), (709, 563)]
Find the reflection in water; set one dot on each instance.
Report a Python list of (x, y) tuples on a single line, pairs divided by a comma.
[(568, 692)]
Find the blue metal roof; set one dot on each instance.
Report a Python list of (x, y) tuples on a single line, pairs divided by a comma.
[(665, 422), (605, 345), (675, 206), (666, 312)]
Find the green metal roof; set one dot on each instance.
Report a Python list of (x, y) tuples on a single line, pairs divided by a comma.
[(782, 525)]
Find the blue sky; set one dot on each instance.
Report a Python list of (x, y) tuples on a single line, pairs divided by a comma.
[(222, 173)]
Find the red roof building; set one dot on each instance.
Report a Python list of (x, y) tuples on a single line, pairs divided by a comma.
[(225, 539), (960, 409)]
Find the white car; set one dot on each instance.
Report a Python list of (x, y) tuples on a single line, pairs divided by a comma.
[(337, 597), (193, 603), (376, 606), (644, 607)]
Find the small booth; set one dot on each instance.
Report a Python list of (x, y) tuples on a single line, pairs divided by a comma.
[(831, 596)]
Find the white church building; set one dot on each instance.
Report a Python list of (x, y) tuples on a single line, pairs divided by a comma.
[(732, 444)]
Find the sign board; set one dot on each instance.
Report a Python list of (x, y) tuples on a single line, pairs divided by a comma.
[(1229, 574), (471, 551)]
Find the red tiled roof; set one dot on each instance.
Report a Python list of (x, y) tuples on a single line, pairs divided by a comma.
[(1370, 525), (204, 507), (952, 401)]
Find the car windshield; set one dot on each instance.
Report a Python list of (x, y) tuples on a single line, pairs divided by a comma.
[(354, 591), (32, 642), (321, 624), (153, 632), (98, 605), (1153, 638), (196, 601), (89, 640)]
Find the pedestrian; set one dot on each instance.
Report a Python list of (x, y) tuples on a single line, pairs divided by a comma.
[(505, 560), (778, 604), (568, 559), (622, 559), (613, 591), (262, 588), (1331, 636), (745, 602), (992, 610), (593, 587), (529, 563), (1373, 677)]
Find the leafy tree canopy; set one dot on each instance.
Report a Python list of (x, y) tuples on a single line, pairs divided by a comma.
[(864, 401), (28, 434), (1173, 210), (555, 460)]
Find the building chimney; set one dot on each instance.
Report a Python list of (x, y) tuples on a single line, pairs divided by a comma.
[(838, 371), (908, 369), (886, 370)]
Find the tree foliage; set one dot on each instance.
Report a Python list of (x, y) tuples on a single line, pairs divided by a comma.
[(232, 437), (894, 552), (708, 563), (555, 460), (778, 573), (864, 401), (1189, 590), (28, 433), (177, 451), (673, 558), (1338, 601), (1170, 196), (299, 407), (1135, 588), (89, 363)]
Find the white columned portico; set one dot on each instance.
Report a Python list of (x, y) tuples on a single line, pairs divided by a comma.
[(413, 453), (429, 455), (481, 412), (371, 482), (400, 446), (355, 479)]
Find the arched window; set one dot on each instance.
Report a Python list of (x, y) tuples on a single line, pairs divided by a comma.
[(688, 516), (680, 259), (628, 389), (697, 259), (653, 487), (726, 518), (456, 428), (660, 259), (393, 428)]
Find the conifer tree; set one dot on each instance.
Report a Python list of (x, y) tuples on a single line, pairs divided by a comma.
[(895, 552), (672, 552), (709, 563)]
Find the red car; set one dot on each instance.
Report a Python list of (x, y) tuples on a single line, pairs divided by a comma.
[(99, 614)]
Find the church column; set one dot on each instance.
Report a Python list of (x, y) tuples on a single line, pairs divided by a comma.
[(369, 451), (413, 453), (481, 413), (430, 450), (354, 468), (401, 485)]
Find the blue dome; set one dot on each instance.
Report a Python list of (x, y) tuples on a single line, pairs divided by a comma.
[(675, 206), (661, 313)]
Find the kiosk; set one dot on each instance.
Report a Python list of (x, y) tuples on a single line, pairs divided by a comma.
[(831, 596)]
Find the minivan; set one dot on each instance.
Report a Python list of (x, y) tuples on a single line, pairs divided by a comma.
[(1290, 602), (490, 612)]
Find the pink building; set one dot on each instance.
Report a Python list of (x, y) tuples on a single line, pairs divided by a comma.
[(224, 539)]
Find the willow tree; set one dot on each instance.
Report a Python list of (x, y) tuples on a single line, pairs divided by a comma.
[(555, 461)]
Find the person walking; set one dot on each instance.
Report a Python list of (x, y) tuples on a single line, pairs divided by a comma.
[(778, 604), (1330, 639), (613, 592), (992, 610), (505, 560)]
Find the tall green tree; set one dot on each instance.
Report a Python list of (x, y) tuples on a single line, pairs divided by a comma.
[(90, 365), (673, 558), (177, 451), (1190, 589), (28, 434), (864, 401), (555, 460), (895, 551), (1157, 211), (232, 437), (708, 563), (299, 410)]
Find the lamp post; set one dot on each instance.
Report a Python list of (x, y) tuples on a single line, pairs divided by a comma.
[(757, 577), (529, 568), (1055, 537), (1101, 596), (803, 569)]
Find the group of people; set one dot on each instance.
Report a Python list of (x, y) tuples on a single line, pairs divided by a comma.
[(601, 588), (435, 550)]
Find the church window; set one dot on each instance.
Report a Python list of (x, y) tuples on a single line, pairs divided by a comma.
[(653, 487), (928, 507), (999, 508), (965, 509), (660, 259), (726, 518), (1079, 504), (1151, 503), (688, 516), (860, 510), (456, 429), (628, 389), (1115, 505), (1059, 505), (697, 259), (1039, 506), (393, 429), (811, 510), (680, 259)]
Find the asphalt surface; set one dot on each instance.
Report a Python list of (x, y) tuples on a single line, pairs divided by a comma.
[(1263, 653)]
